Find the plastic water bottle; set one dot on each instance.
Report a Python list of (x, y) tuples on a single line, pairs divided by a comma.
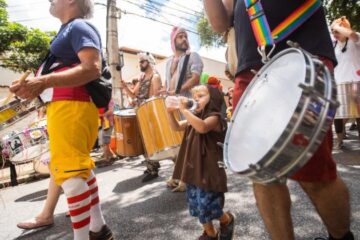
[(175, 101)]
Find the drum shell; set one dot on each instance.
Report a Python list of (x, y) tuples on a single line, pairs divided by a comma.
[(127, 134), (160, 141), (348, 95)]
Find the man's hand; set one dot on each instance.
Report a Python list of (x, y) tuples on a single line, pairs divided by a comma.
[(30, 88)]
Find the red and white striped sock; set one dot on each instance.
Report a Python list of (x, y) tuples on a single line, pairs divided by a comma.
[(97, 218), (79, 203)]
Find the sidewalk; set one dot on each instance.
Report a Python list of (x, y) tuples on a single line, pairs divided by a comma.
[(26, 173)]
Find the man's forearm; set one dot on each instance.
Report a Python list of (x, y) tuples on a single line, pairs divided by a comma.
[(190, 83), (72, 77), (218, 15)]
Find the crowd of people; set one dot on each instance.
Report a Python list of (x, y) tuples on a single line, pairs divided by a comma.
[(197, 170)]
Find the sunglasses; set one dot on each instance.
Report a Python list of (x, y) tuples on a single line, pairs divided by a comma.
[(142, 61)]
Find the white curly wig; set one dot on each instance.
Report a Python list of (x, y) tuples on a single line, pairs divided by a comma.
[(147, 56)]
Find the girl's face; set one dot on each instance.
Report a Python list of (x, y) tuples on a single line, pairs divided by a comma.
[(202, 97)]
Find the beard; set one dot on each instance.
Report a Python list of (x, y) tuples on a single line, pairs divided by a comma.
[(183, 47), (144, 68)]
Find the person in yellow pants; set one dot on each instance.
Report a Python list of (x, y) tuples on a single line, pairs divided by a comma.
[(71, 114)]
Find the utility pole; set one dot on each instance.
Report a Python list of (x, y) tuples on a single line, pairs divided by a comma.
[(112, 49)]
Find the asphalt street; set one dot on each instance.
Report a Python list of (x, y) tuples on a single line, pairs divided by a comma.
[(139, 211)]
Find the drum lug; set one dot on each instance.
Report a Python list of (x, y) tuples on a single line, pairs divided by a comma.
[(308, 90), (293, 44), (255, 167)]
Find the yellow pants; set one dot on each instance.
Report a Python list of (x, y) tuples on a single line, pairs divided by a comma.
[(72, 128)]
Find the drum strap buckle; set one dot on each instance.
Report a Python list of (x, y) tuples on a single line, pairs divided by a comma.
[(262, 51)]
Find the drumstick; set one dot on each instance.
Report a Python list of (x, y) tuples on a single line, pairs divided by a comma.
[(10, 95)]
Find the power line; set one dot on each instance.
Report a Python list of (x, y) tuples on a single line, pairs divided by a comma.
[(192, 13), (173, 2), (123, 11), (157, 11), (153, 19), (147, 17)]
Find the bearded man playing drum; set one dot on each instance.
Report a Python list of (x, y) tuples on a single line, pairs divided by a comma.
[(148, 86), (318, 178)]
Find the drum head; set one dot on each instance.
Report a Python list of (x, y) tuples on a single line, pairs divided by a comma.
[(126, 112), (264, 110)]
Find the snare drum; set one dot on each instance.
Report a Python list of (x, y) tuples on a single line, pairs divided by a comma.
[(128, 140), (281, 118), (349, 98), (160, 141)]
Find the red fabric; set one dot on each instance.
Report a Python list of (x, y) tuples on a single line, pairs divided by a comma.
[(94, 190), (321, 166), (78, 198), (89, 183), (81, 224), (95, 201), (69, 93), (79, 211)]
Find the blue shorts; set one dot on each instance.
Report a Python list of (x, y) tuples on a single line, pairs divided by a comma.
[(206, 206), (104, 136)]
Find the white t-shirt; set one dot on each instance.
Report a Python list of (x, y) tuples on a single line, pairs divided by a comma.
[(348, 61)]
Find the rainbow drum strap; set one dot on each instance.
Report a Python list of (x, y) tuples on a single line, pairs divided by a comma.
[(264, 36)]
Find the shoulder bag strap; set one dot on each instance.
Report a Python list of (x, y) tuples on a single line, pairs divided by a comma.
[(182, 74)]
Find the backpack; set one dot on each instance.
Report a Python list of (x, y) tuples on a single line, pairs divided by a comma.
[(100, 89)]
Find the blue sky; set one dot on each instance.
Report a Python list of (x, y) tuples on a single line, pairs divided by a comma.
[(134, 31)]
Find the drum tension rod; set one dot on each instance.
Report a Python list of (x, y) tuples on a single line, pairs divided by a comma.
[(255, 167), (308, 90), (253, 71)]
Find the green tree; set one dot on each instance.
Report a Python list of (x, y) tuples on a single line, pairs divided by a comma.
[(208, 37), (334, 9), (21, 48), (348, 8)]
